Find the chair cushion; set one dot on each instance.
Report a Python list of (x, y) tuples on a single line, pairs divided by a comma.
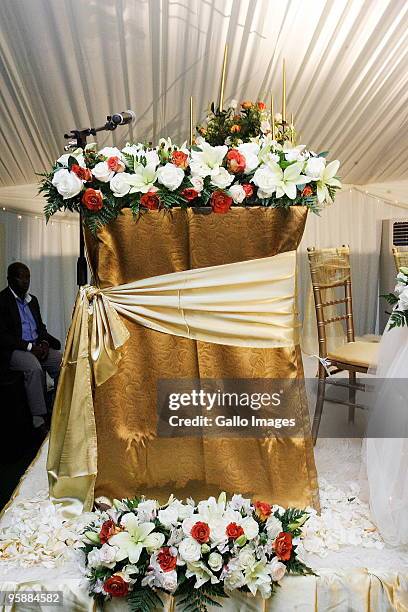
[(356, 353)]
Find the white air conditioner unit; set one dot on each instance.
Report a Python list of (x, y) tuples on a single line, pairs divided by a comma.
[(394, 234)]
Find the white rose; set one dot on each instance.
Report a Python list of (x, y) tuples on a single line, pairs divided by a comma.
[(246, 557), (190, 550), (220, 177), (265, 126), (403, 300), (167, 580), (102, 172), (146, 511), (277, 570), (169, 516), (234, 104), (250, 527), (234, 580), (265, 180), (111, 152), (119, 184), (170, 176), (315, 166), (215, 561), (67, 183), (94, 558), (107, 555), (156, 541), (273, 527), (197, 183), (237, 192)]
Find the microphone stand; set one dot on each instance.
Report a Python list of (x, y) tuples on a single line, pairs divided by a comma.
[(77, 139)]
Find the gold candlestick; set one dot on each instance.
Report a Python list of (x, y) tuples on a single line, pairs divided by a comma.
[(273, 119), (191, 121), (283, 92), (292, 130), (222, 82)]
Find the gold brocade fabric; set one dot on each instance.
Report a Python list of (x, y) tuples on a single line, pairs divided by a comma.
[(131, 459)]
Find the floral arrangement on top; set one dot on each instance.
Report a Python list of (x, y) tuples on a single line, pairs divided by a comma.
[(240, 158), (399, 300), (137, 549)]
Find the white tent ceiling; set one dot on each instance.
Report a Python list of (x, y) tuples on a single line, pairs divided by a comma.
[(69, 63)]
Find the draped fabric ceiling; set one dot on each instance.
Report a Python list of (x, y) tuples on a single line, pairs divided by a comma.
[(69, 63)]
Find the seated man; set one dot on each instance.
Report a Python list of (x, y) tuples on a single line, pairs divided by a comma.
[(25, 344)]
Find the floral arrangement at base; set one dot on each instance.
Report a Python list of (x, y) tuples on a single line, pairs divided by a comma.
[(399, 300), (253, 165), (137, 549)]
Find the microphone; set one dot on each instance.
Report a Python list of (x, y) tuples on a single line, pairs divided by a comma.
[(123, 118)]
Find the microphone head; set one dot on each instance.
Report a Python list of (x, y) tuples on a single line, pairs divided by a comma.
[(123, 118)]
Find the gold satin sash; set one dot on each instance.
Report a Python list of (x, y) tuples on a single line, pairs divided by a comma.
[(249, 303)]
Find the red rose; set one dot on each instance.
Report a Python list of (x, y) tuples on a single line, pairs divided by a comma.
[(220, 202), (249, 190), (92, 199), (263, 510), (201, 532), (166, 560), (235, 128), (235, 161), (189, 194), (83, 173), (108, 529), (150, 200), (179, 159), (261, 105), (307, 191), (115, 164), (116, 586), (234, 531), (283, 545)]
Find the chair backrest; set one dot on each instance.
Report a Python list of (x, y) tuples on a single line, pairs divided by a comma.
[(400, 258), (330, 269)]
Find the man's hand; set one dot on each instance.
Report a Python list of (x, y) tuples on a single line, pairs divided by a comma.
[(38, 351), (46, 349)]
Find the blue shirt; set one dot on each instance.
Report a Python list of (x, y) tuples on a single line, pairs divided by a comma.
[(28, 324)]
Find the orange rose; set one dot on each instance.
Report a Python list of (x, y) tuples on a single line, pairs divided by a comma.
[(166, 560), (115, 164), (234, 531), (201, 532), (116, 586), (246, 104), (283, 546), (261, 105), (189, 194), (108, 529), (83, 173), (150, 200), (235, 128), (262, 510), (249, 190), (220, 202), (235, 161), (179, 159), (92, 199), (307, 191)]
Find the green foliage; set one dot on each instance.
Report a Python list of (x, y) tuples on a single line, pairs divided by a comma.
[(197, 600), (144, 599), (236, 125), (294, 566), (390, 298), (398, 318), (292, 520)]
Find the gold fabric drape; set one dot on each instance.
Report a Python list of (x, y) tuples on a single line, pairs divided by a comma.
[(131, 459)]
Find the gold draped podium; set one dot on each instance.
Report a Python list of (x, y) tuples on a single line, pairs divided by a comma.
[(131, 459)]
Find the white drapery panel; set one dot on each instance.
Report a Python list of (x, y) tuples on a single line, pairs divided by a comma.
[(50, 251), (68, 63)]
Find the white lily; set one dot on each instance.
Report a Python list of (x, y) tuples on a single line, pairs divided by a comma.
[(204, 161), (136, 537), (285, 181), (327, 178), (143, 179)]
